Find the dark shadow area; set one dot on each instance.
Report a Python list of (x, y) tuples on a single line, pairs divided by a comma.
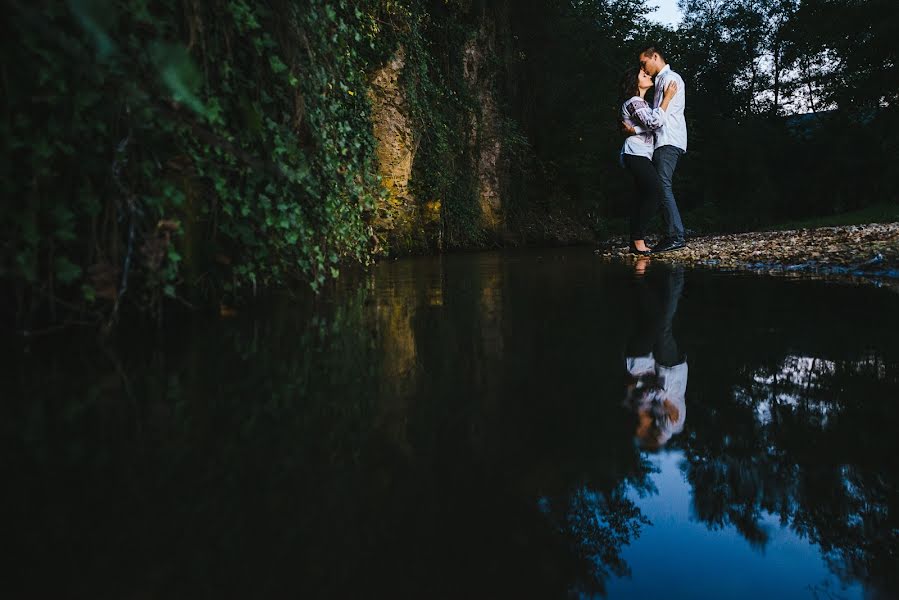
[(451, 427)]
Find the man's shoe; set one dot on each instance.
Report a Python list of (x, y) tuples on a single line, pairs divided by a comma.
[(669, 244)]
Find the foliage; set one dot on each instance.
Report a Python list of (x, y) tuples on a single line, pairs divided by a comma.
[(784, 104), (788, 118), (440, 104), (184, 149), (572, 58), (200, 151)]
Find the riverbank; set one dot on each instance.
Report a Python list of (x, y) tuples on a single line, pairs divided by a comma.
[(870, 251)]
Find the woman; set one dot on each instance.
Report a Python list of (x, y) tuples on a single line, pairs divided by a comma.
[(636, 153)]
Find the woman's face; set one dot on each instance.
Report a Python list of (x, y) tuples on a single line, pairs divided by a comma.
[(644, 81)]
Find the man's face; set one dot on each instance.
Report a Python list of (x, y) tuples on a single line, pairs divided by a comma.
[(650, 64)]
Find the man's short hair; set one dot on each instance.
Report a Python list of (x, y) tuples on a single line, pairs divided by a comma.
[(650, 50)]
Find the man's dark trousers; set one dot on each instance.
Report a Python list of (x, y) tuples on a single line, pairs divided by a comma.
[(665, 160)]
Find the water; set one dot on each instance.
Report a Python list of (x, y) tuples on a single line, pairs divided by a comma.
[(467, 426)]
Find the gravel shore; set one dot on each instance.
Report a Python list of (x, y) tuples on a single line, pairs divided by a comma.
[(856, 251)]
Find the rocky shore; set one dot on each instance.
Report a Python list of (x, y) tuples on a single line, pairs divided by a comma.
[(868, 251)]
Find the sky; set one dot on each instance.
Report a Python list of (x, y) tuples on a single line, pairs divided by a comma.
[(666, 12)]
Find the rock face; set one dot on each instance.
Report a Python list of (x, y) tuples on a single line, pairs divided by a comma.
[(397, 220), (404, 223), (485, 135)]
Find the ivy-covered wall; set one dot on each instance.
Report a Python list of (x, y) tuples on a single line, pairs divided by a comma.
[(197, 152)]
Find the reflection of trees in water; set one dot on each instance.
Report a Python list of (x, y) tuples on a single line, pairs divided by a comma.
[(597, 525), (339, 454), (151, 469), (399, 440), (803, 385), (517, 429), (809, 440)]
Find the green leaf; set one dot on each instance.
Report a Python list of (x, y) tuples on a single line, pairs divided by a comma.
[(179, 74), (173, 255), (89, 293), (66, 270), (97, 18), (64, 221), (276, 64)]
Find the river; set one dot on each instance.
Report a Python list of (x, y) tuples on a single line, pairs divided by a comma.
[(510, 424)]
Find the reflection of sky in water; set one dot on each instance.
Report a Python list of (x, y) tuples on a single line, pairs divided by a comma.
[(798, 370), (679, 557), (794, 380)]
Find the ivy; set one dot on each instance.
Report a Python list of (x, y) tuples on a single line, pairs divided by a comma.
[(202, 151), (184, 149), (441, 106)]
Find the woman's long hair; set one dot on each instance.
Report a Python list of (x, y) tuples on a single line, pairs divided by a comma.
[(630, 85)]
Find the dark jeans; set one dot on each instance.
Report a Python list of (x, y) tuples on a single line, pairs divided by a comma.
[(657, 296), (665, 160), (648, 195)]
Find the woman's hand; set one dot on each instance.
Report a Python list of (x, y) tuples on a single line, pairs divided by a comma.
[(670, 91)]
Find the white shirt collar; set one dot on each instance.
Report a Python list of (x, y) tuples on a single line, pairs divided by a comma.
[(665, 68)]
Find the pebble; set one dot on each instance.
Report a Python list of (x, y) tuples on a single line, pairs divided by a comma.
[(858, 250)]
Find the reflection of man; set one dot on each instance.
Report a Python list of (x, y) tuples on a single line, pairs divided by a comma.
[(657, 370)]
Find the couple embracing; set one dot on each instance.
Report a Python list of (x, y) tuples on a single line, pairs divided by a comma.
[(657, 137)]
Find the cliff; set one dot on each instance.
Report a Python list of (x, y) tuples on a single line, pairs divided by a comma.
[(203, 152)]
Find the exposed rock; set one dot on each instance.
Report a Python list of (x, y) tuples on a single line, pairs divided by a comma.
[(397, 218), (480, 76)]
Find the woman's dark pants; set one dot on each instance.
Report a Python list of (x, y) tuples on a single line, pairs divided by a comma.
[(648, 194)]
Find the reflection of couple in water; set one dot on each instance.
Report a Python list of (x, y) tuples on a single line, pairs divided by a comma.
[(657, 370)]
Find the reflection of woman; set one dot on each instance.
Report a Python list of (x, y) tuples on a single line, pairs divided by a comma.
[(657, 370), (636, 153)]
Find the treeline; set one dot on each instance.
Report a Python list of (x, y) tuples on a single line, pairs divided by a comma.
[(791, 114), (790, 109), (197, 152)]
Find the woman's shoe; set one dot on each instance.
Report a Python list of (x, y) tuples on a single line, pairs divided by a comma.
[(640, 252)]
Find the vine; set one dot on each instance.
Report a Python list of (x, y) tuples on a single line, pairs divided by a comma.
[(185, 149), (202, 151)]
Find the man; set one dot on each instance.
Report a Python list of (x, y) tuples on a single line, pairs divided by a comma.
[(670, 143)]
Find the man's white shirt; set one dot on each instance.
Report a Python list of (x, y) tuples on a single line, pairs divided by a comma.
[(674, 131), (673, 382)]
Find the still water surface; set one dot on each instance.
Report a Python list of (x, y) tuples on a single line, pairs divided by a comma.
[(522, 424)]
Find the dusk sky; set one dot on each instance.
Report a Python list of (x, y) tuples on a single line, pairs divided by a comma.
[(665, 12)]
